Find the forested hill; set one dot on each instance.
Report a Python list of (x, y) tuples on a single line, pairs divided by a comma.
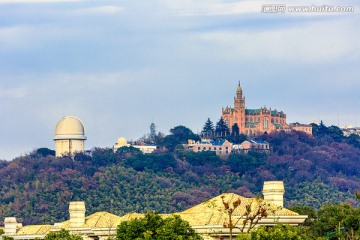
[(319, 169)]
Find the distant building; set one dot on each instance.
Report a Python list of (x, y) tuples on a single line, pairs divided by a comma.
[(253, 121), (144, 147), (348, 130), (223, 147), (207, 220), (301, 127), (255, 145), (69, 136)]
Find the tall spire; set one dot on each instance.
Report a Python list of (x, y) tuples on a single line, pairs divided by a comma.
[(239, 91)]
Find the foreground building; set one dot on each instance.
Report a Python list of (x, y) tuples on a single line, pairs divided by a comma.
[(207, 218)]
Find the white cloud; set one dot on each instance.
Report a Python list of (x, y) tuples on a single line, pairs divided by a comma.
[(36, 1), (99, 10), (306, 43)]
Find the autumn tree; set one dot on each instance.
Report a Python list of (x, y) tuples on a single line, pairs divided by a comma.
[(250, 218)]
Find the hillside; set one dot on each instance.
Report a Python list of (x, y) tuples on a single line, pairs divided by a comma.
[(316, 170)]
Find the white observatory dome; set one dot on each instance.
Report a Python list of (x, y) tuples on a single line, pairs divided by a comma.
[(70, 127), (121, 142)]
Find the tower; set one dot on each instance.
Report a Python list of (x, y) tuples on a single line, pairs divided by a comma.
[(69, 136), (239, 100), (273, 191), (152, 131), (239, 107)]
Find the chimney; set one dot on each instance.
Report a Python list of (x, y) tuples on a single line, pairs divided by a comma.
[(273, 192), (77, 214), (10, 225)]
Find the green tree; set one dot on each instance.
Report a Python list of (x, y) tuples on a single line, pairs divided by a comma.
[(277, 232), (235, 130), (208, 128), (222, 128), (183, 134), (332, 218), (152, 226), (7, 238), (306, 210), (45, 151), (1, 232), (62, 235)]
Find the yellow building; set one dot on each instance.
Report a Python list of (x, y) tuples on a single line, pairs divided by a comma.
[(69, 136), (206, 218)]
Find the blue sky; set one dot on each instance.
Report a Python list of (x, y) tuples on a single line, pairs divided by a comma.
[(120, 65)]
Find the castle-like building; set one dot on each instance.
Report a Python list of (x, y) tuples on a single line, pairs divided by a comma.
[(256, 121)]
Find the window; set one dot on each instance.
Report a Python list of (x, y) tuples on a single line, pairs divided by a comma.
[(198, 148)]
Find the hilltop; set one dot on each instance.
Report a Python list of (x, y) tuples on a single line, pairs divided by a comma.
[(319, 169)]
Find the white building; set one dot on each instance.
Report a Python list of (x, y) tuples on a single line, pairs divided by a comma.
[(69, 136)]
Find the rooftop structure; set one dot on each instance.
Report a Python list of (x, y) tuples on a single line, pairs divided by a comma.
[(206, 218), (69, 136)]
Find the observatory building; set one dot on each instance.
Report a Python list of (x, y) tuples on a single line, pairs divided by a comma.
[(69, 136)]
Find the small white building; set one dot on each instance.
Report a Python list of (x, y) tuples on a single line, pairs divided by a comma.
[(144, 148)]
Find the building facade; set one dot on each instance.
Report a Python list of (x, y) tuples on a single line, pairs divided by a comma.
[(252, 121), (223, 147), (206, 219)]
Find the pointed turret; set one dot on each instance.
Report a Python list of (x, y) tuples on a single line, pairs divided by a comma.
[(239, 91)]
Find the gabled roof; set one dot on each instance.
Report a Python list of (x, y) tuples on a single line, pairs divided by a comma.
[(34, 230), (252, 111), (259, 141), (211, 212), (97, 220)]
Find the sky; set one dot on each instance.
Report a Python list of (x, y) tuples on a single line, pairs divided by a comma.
[(121, 65)]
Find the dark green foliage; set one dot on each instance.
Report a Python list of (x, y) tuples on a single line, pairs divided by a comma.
[(222, 128), (235, 129), (278, 232), (202, 158), (236, 139), (354, 140), (127, 152), (7, 238), (62, 235), (1, 232), (246, 162), (152, 226), (332, 217), (183, 134), (170, 142), (103, 156), (208, 127), (156, 163), (45, 151), (306, 210)]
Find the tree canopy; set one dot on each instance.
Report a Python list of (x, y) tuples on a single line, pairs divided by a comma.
[(153, 226)]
